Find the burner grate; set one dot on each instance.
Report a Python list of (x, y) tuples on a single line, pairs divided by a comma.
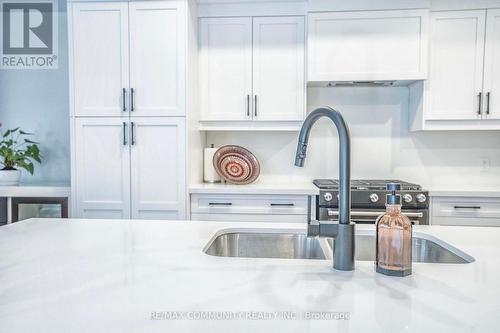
[(366, 184)]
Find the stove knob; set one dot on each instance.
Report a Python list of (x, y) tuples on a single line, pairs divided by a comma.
[(328, 196), (407, 198), (373, 197), (421, 197)]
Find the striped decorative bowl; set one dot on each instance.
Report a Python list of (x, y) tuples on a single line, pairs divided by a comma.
[(236, 165)]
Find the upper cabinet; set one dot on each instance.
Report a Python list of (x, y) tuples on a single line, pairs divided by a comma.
[(386, 45), (100, 58), (252, 69), (157, 55), (278, 68), (463, 89), (492, 65), (225, 68), (130, 60), (456, 64)]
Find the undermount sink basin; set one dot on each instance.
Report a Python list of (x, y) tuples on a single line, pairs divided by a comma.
[(293, 245)]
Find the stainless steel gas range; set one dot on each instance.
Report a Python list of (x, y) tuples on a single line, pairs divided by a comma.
[(368, 200)]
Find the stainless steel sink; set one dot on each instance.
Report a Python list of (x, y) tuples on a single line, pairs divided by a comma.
[(266, 245), (292, 245)]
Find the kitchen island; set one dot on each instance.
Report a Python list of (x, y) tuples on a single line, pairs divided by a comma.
[(153, 276)]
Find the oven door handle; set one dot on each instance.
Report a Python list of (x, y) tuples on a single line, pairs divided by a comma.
[(354, 213), (370, 221)]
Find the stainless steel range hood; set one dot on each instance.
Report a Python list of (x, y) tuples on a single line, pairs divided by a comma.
[(374, 83), (361, 84)]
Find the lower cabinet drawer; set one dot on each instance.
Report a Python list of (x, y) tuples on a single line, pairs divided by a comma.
[(225, 207), (465, 211)]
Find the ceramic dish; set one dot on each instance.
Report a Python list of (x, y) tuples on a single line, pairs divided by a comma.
[(236, 165)]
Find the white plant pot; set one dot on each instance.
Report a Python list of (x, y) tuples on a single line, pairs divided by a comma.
[(9, 177)]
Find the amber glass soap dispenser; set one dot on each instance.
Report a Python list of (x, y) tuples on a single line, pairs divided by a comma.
[(394, 237)]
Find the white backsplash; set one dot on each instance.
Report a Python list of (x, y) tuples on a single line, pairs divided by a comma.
[(382, 146)]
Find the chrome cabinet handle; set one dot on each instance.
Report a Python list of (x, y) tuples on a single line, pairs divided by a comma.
[(467, 207), (124, 133), (124, 94), (132, 107), (132, 133), (220, 203), (488, 103), (480, 97), (282, 204), (255, 105)]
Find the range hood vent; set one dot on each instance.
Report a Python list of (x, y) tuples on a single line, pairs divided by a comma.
[(361, 84)]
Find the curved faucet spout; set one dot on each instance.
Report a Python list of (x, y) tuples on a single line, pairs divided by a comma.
[(344, 158)]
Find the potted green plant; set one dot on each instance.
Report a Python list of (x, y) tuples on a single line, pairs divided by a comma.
[(16, 151)]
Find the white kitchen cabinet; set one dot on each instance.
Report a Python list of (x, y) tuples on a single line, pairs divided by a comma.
[(102, 168), (456, 65), (128, 58), (492, 65), (367, 45), (463, 86), (226, 68), (157, 55), (100, 59), (278, 68), (249, 207), (469, 211), (128, 85), (252, 69), (158, 169), (130, 168)]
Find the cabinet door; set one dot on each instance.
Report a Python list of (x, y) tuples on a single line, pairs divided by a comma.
[(456, 65), (492, 65), (99, 47), (225, 68), (157, 58), (158, 168), (102, 168), (278, 68), (367, 45)]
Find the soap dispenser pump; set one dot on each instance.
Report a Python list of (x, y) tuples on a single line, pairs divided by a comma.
[(394, 237)]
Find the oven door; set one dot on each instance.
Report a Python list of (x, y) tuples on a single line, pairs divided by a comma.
[(365, 216)]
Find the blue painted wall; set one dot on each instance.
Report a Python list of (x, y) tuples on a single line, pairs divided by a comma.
[(38, 101)]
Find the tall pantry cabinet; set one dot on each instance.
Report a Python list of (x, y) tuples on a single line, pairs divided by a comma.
[(128, 108)]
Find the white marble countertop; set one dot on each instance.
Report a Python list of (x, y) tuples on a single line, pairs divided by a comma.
[(111, 275), (36, 190), (488, 192), (293, 188), (308, 188)]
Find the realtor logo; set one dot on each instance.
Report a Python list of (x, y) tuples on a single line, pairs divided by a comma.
[(29, 36)]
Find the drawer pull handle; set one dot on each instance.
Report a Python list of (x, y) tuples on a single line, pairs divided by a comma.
[(480, 97), (488, 103), (467, 207), (220, 203), (132, 104), (124, 94), (282, 205)]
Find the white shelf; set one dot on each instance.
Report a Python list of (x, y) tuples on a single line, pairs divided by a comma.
[(284, 126)]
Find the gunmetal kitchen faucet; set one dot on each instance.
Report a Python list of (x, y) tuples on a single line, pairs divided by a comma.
[(343, 231)]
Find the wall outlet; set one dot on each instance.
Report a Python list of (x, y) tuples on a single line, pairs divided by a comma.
[(485, 164)]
